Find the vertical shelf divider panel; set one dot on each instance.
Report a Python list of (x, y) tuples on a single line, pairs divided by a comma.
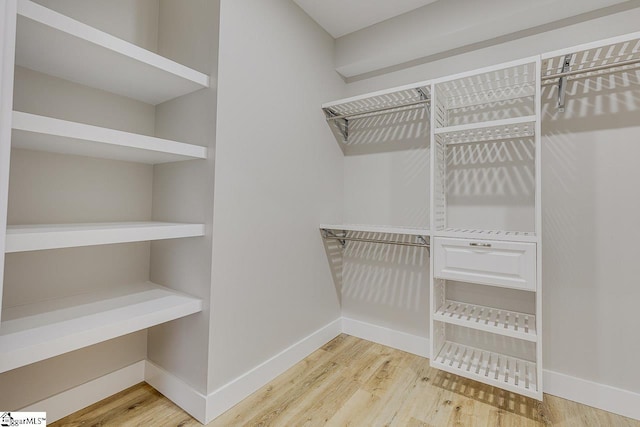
[(538, 224), (486, 91), (8, 15)]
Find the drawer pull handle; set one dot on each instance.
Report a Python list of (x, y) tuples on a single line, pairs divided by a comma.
[(482, 245)]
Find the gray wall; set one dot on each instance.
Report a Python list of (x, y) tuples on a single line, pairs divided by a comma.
[(278, 175)]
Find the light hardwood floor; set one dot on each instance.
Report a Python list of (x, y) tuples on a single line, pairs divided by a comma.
[(352, 382)]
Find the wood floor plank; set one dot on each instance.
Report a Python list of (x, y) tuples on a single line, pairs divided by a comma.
[(282, 385), (352, 382)]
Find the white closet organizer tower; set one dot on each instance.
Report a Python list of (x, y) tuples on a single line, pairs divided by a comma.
[(486, 226), (42, 320), (484, 214)]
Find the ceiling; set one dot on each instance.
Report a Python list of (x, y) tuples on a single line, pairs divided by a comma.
[(340, 17)]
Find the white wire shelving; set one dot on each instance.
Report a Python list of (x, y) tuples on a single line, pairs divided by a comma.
[(506, 372), (395, 102), (403, 236), (494, 320)]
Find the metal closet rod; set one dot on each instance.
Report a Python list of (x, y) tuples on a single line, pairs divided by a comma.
[(609, 67), (374, 112), (330, 236)]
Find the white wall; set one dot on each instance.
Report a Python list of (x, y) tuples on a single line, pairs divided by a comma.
[(590, 229), (590, 207), (133, 20), (445, 26), (278, 176), (571, 35), (386, 182)]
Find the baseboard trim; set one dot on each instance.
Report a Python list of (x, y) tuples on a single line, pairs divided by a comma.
[(385, 336), (601, 396), (72, 400), (176, 390), (207, 407), (232, 393)]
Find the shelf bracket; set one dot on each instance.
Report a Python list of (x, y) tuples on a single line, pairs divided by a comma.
[(328, 234), (422, 240), (562, 82), (342, 124), (424, 97)]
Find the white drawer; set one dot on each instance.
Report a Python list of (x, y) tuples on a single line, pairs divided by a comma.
[(506, 264)]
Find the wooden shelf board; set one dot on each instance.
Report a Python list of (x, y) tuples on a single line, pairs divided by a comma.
[(34, 332), (55, 44), (33, 132), (21, 238)]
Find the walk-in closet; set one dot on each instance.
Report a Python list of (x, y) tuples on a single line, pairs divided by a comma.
[(286, 212)]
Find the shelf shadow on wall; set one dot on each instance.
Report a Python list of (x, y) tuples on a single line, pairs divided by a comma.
[(333, 250), (581, 214), (393, 131), (498, 110), (607, 102), (386, 284), (496, 174)]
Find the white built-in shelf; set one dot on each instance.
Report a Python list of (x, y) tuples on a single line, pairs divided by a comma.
[(34, 332), (496, 369), (512, 128), (408, 231), (34, 132), (21, 238), (55, 44), (468, 233), (497, 321)]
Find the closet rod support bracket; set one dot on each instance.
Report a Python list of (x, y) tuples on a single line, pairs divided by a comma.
[(424, 97), (562, 82), (328, 234), (342, 123)]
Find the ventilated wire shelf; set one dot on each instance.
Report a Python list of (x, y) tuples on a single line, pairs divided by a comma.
[(518, 128), (494, 320), (515, 236), (402, 236), (496, 369), (395, 105), (488, 87), (383, 103), (490, 96)]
